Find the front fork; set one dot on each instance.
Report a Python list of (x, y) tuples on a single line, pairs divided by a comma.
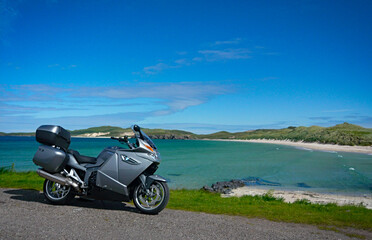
[(146, 181), (145, 189)]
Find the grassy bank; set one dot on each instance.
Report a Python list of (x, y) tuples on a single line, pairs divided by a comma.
[(259, 206), (273, 209), (342, 134), (24, 180)]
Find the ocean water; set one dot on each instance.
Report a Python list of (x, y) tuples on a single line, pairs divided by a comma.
[(192, 164)]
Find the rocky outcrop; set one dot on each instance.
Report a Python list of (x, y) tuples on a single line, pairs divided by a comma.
[(224, 187)]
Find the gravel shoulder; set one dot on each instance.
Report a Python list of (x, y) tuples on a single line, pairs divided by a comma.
[(26, 214)]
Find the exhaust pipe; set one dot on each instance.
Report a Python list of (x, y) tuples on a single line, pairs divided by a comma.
[(58, 179)]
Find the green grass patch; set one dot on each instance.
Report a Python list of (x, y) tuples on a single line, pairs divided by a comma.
[(272, 209), (25, 180), (266, 206)]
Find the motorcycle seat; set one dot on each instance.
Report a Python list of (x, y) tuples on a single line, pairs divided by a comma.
[(81, 158)]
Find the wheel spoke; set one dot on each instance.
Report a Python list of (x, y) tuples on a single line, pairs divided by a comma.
[(153, 198), (56, 191)]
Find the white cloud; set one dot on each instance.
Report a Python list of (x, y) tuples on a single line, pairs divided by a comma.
[(233, 41), (202, 55), (226, 54), (174, 97), (156, 68), (168, 91), (94, 105), (182, 61)]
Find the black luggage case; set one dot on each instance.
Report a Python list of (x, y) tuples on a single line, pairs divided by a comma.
[(53, 135)]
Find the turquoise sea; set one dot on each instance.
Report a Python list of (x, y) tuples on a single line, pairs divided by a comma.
[(192, 164)]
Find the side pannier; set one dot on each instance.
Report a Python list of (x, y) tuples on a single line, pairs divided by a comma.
[(51, 159)]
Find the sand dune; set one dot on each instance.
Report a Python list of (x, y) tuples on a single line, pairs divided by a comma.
[(313, 146)]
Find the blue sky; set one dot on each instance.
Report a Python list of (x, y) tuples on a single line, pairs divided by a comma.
[(202, 66)]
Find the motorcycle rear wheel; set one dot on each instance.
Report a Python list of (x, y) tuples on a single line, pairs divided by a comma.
[(153, 201), (56, 193)]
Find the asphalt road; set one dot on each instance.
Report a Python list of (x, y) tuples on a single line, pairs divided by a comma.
[(24, 214)]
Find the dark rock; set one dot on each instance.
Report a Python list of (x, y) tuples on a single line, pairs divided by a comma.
[(224, 187), (226, 191), (227, 186), (207, 188)]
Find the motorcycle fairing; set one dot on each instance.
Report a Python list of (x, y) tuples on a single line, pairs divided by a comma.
[(116, 173)]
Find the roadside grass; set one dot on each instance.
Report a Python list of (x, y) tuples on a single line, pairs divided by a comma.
[(25, 180), (273, 209), (266, 207)]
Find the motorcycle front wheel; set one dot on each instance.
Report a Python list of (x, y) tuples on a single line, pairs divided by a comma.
[(153, 200), (56, 193)]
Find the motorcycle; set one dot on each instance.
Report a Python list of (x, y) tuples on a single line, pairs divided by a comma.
[(117, 174)]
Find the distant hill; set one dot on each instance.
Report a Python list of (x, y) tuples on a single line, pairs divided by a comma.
[(104, 131), (107, 131), (343, 134)]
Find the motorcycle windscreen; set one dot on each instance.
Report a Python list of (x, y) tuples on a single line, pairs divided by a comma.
[(148, 140)]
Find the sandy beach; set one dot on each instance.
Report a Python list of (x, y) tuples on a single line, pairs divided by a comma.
[(292, 196), (313, 146)]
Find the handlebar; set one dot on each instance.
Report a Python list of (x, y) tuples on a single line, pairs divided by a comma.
[(124, 140), (121, 139)]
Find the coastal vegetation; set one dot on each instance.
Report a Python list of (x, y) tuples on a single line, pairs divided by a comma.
[(325, 216), (342, 134)]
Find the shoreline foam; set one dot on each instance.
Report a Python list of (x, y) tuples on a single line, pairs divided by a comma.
[(313, 197), (305, 145)]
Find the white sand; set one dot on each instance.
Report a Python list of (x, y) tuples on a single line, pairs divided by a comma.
[(291, 196), (314, 146), (102, 135), (93, 135)]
